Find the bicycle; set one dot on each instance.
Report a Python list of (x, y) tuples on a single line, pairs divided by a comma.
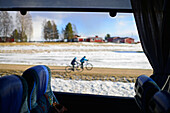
[(77, 68), (88, 66)]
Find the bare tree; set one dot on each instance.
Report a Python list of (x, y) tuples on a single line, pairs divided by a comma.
[(29, 29), (44, 33), (75, 29), (63, 34), (1, 23), (24, 26), (6, 24)]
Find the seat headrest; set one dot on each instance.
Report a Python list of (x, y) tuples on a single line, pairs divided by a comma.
[(143, 84), (38, 78), (39, 83), (11, 93)]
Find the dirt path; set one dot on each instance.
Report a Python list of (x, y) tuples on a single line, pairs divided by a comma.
[(108, 74), (12, 69), (107, 71)]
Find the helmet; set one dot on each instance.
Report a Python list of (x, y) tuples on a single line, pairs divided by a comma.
[(84, 56), (75, 57)]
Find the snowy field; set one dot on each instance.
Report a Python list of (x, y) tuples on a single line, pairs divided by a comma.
[(106, 55), (94, 87)]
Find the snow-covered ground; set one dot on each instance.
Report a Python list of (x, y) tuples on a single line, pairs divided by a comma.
[(107, 55), (94, 87)]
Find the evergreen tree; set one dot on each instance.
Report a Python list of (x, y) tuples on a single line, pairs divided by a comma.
[(68, 31), (107, 36), (44, 25), (49, 30), (55, 34), (15, 34)]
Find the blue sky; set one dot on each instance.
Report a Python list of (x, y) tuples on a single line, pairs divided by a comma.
[(88, 23)]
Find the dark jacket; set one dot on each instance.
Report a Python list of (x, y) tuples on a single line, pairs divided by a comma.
[(73, 62)]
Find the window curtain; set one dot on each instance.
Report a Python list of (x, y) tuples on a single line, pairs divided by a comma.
[(153, 24)]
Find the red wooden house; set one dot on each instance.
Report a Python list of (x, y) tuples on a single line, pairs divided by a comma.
[(79, 39), (6, 39), (116, 40), (129, 40), (94, 39), (121, 40)]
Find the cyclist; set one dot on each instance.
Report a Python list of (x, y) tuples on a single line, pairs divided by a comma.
[(73, 62), (82, 61)]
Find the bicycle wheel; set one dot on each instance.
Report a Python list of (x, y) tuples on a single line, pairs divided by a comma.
[(89, 66), (68, 69), (79, 69)]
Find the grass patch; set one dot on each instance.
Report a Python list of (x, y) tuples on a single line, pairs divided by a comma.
[(92, 77)]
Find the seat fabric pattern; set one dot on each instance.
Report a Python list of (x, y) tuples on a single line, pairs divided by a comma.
[(13, 94)]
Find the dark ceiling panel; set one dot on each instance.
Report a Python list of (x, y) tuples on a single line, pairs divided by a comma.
[(65, 4)]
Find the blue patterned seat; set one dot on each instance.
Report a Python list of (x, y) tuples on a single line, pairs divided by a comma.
[(145, 88), (13, 94), (160, 102), (40, 94)]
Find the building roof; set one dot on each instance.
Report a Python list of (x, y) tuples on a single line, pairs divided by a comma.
[(94, 37), (129, 38), (82, 37), (5, 36), (122, 38)]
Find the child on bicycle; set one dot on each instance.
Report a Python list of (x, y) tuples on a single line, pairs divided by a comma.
[(82, 61), (73, 62)]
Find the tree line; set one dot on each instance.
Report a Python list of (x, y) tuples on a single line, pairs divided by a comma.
[(20, 27), (50, 31), (21, 31)]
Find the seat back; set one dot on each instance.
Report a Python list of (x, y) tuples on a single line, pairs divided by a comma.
[(28, 75), (39, 86), (145, 88), (13, 95), (160, 103)]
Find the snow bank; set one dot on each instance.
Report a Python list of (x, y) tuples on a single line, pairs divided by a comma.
[(94, 87)]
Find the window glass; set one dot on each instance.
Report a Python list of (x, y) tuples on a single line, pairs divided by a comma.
[(111, 46)]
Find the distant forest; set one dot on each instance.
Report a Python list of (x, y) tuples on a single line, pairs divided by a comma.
[(22, 31)]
